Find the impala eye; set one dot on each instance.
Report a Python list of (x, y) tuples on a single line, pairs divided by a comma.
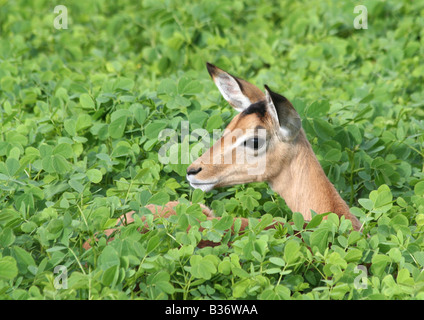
[(254, 143)]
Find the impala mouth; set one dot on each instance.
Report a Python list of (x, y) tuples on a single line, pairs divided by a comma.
[(205, 187), (202, 185)]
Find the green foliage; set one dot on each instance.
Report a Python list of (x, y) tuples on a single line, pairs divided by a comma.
[(81, 110)]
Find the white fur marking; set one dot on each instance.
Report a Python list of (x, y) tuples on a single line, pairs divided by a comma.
[(231, 92)]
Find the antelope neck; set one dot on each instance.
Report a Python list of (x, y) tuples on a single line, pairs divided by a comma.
[(304, 186)]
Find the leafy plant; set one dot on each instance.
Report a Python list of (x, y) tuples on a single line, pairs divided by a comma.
[(81, 111)]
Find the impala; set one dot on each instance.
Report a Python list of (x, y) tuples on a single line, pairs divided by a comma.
[(284, 153), (263, 142)]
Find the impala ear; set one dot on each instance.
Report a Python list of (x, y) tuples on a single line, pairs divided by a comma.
[(239, 93), (284, 114)]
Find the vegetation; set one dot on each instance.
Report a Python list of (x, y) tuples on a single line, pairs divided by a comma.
[(81, 110)]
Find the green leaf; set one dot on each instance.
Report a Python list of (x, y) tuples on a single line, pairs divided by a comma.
[(203, 267), (94, 175), (298, 220), (379, 263), (419, 257), (139, 113), (197, 117), (153, 129), (197, 196), (277, 261), (318, 109), (161, 198), (8, 268), (56, 164), (23, 259), (28, 227), (124, 84), (7, 237), (333, 155), (108, 258), (76, 185), (26, 200), (60, 164), (177, 102), (240, 288), (384, 196), (7, 215), (110, 276), (161, 281), (153, 243), (144, 197), (55, 226), (282, 292), (323, 129), (122, 149), (366, 203), (214, 122), (272, 270), (224, 267), (70, 126), (168, 87), (382, 199), (83, 121), (117, 127), (319, 239), (86, 101), (419, 188), (12, 166), (63, 149), (316, 221), (189, 87), (224, 223), (335, 259), (353, 255), (291, 251), (339, 291), (404, 277)]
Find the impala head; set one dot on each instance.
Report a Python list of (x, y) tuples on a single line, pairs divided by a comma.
[(256, 144)]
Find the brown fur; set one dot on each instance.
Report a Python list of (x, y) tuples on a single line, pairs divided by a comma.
[(303, 184)]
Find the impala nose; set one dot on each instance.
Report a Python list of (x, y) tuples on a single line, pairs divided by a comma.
[(193, 171)]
